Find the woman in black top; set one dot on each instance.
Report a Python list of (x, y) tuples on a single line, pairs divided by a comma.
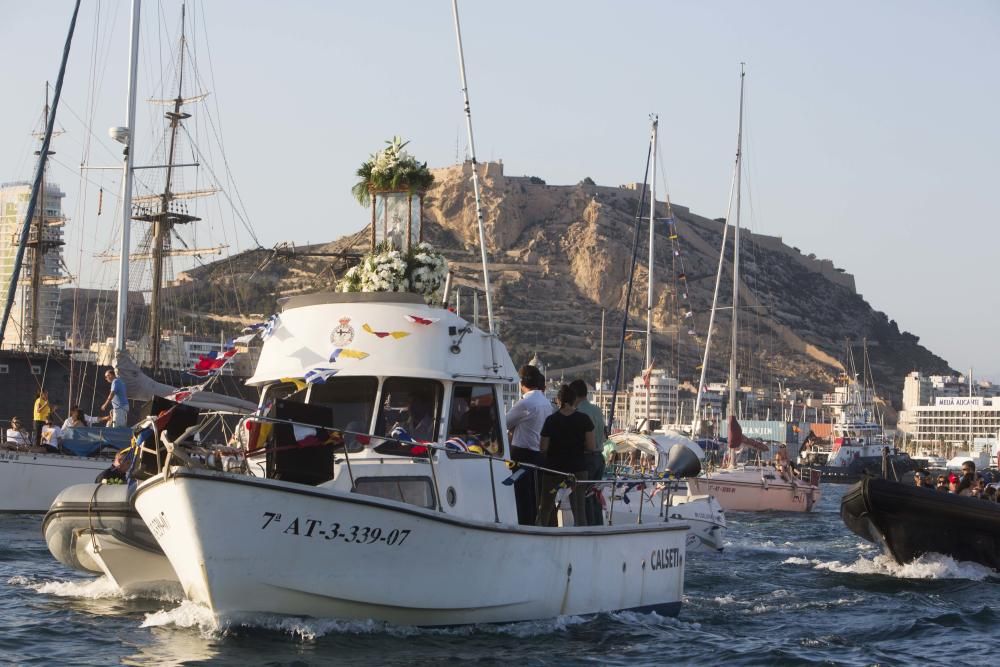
[(566, 436)]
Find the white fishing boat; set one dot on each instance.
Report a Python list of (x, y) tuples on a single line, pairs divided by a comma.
[(386, 492), (664, 496), (750, 486), (330, 532)]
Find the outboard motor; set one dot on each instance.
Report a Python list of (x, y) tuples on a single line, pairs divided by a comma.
[(682, 462)]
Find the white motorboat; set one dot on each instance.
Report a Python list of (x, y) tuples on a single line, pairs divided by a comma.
[(646, 455), (406, 533)]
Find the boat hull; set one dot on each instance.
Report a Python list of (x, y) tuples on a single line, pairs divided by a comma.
[(95, 529), (746, 491), (909, 521), (31, 481), (307, 551)]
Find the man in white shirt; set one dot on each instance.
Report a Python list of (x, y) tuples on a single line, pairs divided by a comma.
[(525, 422)]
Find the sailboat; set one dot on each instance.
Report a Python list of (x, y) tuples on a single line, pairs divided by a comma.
[(750, 486), (665, 499)]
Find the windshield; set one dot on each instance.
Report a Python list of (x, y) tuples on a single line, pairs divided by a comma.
[(352, 400), (412, 404)]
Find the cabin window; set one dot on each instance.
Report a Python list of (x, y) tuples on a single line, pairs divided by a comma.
[(475, 419), (36, 369), (411, 490), (352, 400), (412, 404), (4, 369)]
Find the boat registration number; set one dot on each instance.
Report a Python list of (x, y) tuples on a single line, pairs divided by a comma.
[(9, 456), (331, 530)]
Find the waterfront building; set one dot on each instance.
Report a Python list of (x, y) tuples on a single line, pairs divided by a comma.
[(952, 422), (659, 402), (14, 198)]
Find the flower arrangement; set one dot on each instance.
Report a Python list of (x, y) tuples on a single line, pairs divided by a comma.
[(391, 169), (423, 270)]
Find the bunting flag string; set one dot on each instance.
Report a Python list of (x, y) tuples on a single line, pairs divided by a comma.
[(346, 353), (385, 334), (319, 374), (425, 321)]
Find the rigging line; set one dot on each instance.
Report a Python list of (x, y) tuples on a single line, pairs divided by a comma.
[(246, 223), (217, 132), (628, 290)]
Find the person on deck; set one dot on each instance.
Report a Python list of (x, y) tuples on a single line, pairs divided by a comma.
[(566, 437), (52, 435), (78, 419), (782, 464), (16, 435), (595, 459), (42, 411), (524, 422), (117, 399)]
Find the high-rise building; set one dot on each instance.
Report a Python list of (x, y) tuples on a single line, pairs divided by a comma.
[(14, 199)]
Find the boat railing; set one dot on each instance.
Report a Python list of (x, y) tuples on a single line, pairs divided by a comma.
[(649, 486)]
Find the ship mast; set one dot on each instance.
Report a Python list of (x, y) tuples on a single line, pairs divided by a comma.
[(165, 219), (38, 246)]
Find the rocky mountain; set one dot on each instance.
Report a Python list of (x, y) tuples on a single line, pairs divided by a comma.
[(560, 255)]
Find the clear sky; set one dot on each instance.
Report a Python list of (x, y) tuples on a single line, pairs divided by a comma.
[(872, 126)]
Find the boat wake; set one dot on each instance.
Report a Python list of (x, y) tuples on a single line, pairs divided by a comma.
[(928, 566), (190, 615), (99, 588)]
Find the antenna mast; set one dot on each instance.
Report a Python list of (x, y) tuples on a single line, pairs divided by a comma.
[(475, 175)]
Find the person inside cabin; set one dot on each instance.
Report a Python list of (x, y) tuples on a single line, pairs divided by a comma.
[(117, 399), (968, 479), (419, 418), (52, 435), (524, 423), (781, 463), (17, 436), (567, 435), (42, 411)]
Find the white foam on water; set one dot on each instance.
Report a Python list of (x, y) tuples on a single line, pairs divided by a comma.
[(90, 589), (187, 615), (192, 615), (97, 588), (928, 566)]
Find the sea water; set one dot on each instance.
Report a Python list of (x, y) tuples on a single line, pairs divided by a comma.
[(789, 589)]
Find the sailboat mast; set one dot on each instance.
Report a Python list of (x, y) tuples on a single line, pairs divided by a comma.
[(736, 255), (128, 153), (651, 260), (37, 259), (162, 224)]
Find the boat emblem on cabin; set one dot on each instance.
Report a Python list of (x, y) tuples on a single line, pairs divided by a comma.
[(343, 334)]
